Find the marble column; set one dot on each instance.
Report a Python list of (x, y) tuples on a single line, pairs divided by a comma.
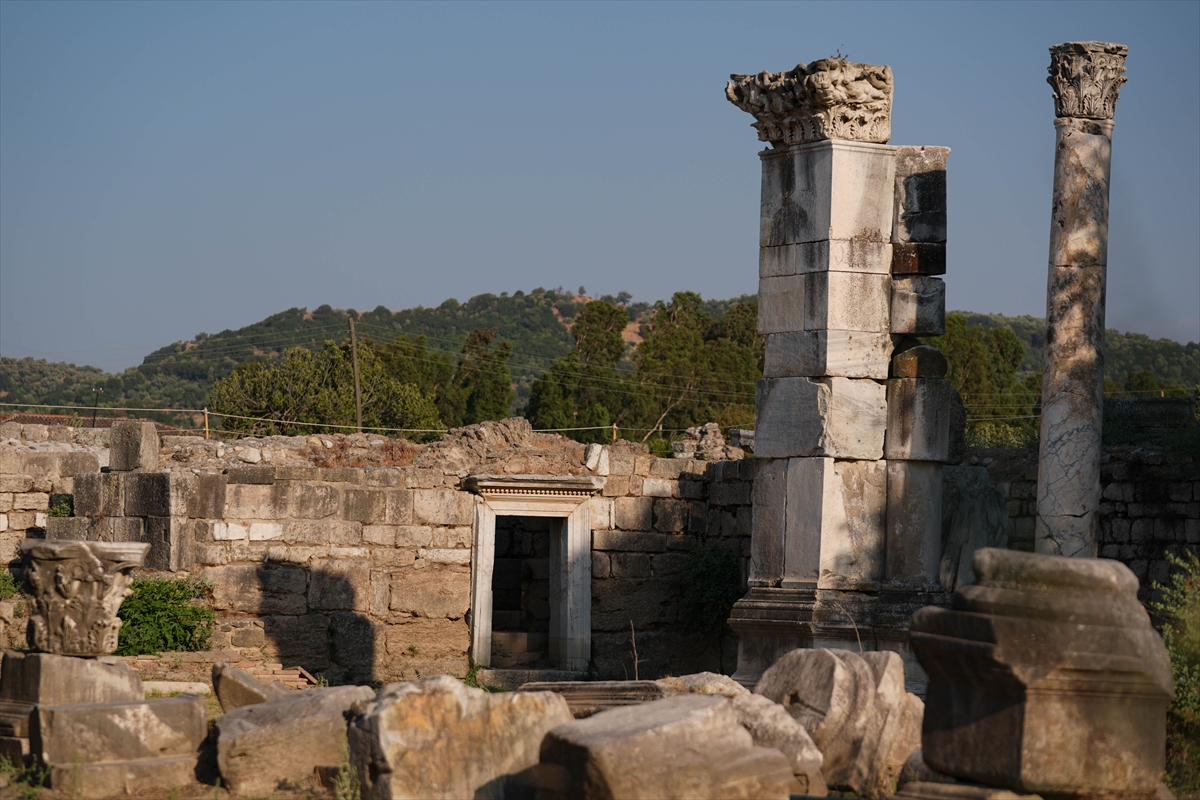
[(1086, 77)]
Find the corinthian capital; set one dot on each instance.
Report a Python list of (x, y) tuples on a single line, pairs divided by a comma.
[(1086, 77), (827, 99), (73, 590)]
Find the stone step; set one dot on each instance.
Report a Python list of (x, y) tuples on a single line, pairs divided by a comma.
[(119, 778), (518, 660), (511, 679), (518, 642), (586, 698)]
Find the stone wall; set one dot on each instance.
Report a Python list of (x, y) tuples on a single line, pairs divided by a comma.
[(363, 572), (1150, 505)]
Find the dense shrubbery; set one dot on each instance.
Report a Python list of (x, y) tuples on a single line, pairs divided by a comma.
[(1180, 607), (163, 614)]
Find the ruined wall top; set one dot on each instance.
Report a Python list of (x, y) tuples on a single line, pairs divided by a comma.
[(827, 99), (1086, 77)]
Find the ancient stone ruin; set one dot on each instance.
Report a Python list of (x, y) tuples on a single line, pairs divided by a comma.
[(886, 643)]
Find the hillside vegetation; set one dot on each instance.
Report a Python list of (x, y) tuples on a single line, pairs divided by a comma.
[(702, 355)]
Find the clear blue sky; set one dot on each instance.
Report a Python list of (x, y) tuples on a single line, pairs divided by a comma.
[(169, 168)]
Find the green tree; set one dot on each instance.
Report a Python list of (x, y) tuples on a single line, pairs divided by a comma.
[(307, 391), (481, 388)]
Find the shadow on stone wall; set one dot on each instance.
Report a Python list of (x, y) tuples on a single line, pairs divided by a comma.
[(312, 618)]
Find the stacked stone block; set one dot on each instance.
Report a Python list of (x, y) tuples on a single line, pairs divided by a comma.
[(30, 482)]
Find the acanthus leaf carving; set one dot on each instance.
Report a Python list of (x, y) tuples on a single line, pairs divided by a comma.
[(827, 99), (74, 590), (1086, 78)]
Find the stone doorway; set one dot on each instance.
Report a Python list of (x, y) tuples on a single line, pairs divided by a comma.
[(521, 610), (557, 508)]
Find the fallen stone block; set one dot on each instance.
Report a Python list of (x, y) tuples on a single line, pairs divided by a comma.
[(686, 746), (586, 698), (1046, 677), (123, 731), (60, 680), (236, 688), (919, 790), (769, 725), (262, 745), (855, 709), (148, 778), (702, 683), (437, 738)]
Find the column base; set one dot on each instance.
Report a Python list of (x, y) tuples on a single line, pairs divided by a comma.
[(771, 621)]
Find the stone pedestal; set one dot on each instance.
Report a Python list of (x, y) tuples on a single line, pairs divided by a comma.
[(1086, 77), (852, 232), (1046, 677)]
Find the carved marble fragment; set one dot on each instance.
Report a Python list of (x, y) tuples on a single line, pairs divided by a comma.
[(73, 591)]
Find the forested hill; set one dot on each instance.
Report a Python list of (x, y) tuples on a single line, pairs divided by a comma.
[(181, 375), (1171, 362)]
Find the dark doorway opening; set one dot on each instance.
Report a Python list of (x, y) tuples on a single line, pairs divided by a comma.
[(521, 593)]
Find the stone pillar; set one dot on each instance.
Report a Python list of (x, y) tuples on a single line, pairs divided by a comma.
[(851, 237), (1086, 77)]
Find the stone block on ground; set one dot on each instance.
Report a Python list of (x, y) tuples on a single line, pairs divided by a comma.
[(921, 790), (702, 683), (769, 725), (262, 745), (837, 417), (235, 687), (847, 354), (1046, 677), (99, 732), (685, 746), (133, 446), (918, 305), (586, 698), (60, 680), (918, 419), (855, 709), (148, 777), (437, 738)]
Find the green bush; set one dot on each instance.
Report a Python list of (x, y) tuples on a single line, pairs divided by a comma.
[(1180, 607), (163, 614), (9, 588), (61, 505), (712, 583)]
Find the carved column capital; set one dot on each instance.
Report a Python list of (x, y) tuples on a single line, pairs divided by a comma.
[(827, 99), (1086, 77), (73, 591)]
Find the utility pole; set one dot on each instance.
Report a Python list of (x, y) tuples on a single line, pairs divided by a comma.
[(96, 403), (357, 391)]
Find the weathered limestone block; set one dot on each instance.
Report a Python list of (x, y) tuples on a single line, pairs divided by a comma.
[(973, 517), (436, 738), (120, 731), (836, 523), (432, 593), (824, 255), (918, 305), (686, 746), (838, 417), (100, 494), (846, 354), (1046, 677), (235, 687), (781, 304), (770, 494), (73, 591), (147, 493), (918, 427), (918, 258), (835, 190), (133, 446), (170, 543), (770, 725), (285, 738), (585, 698), (914, 523), (826, 99), (54, 679), (855, 709), (68, 528), (920, 210), (922, 361), (924, 790), (702, 683), (848, 301)]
